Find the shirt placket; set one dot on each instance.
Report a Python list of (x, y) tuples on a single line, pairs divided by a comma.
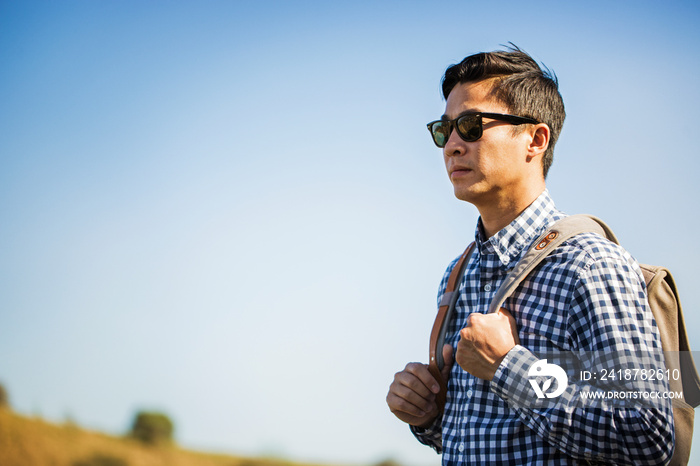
[(461, 452), (491, 274)]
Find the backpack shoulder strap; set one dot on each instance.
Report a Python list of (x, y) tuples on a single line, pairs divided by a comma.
[(446, 308), (559, 232), (444, 315)]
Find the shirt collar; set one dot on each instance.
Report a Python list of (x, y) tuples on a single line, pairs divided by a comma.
[(509, 243)]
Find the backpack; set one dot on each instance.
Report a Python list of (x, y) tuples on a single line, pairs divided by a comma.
[(663, 302)]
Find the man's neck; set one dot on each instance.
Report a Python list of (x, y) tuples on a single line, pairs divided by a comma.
[(500, 214)]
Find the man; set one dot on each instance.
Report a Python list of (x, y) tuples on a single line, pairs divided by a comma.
[(502, 118)]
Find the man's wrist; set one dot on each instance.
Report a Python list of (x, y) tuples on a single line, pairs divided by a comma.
[(510, 382), (430, 435)]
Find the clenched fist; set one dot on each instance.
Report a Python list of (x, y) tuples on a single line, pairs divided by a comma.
[(485, 341), (412, 393)]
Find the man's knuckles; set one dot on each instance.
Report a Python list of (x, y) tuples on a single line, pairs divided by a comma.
[(414, 367), (416, 379)]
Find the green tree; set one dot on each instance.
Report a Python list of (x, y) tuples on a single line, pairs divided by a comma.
[(4, 398), (152, 428)]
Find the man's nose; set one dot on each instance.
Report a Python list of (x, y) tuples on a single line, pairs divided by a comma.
[(455, 144)]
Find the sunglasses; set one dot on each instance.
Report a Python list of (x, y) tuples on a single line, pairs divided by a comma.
[(470, 126)]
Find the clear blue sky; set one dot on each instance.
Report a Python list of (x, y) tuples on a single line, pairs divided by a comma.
[(232, 211)]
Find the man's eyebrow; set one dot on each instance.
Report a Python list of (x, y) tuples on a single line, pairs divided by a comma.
[(446, 117)]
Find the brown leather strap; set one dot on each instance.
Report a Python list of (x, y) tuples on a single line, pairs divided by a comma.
[(437, 335)]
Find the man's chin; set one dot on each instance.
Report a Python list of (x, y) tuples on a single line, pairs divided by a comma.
[(465, 195)]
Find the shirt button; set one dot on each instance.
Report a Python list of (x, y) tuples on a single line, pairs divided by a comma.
[(469, 393), (461, 447), (487, 287)]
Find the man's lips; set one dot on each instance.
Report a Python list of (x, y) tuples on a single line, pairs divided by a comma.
[(459, 171)]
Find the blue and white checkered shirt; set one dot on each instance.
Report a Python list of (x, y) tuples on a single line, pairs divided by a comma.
[(588, 295)]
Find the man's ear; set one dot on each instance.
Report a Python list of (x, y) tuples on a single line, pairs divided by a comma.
[(539, 142)]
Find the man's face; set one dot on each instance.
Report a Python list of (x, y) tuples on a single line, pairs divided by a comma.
[(493, 169)]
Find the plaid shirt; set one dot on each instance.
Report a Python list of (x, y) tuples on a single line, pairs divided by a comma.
[(588, 295)]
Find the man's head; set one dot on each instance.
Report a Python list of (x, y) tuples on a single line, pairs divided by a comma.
[(517, 82)]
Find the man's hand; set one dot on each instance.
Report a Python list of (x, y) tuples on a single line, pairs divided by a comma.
[(412, 393), (485, 341)]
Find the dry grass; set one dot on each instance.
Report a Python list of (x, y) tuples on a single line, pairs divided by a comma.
[(34, 442)]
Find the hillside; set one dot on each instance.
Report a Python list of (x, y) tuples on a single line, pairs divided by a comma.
[(28, 441)]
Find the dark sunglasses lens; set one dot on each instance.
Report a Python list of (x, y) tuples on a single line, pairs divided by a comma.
[(469, 127), (441, 133)]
